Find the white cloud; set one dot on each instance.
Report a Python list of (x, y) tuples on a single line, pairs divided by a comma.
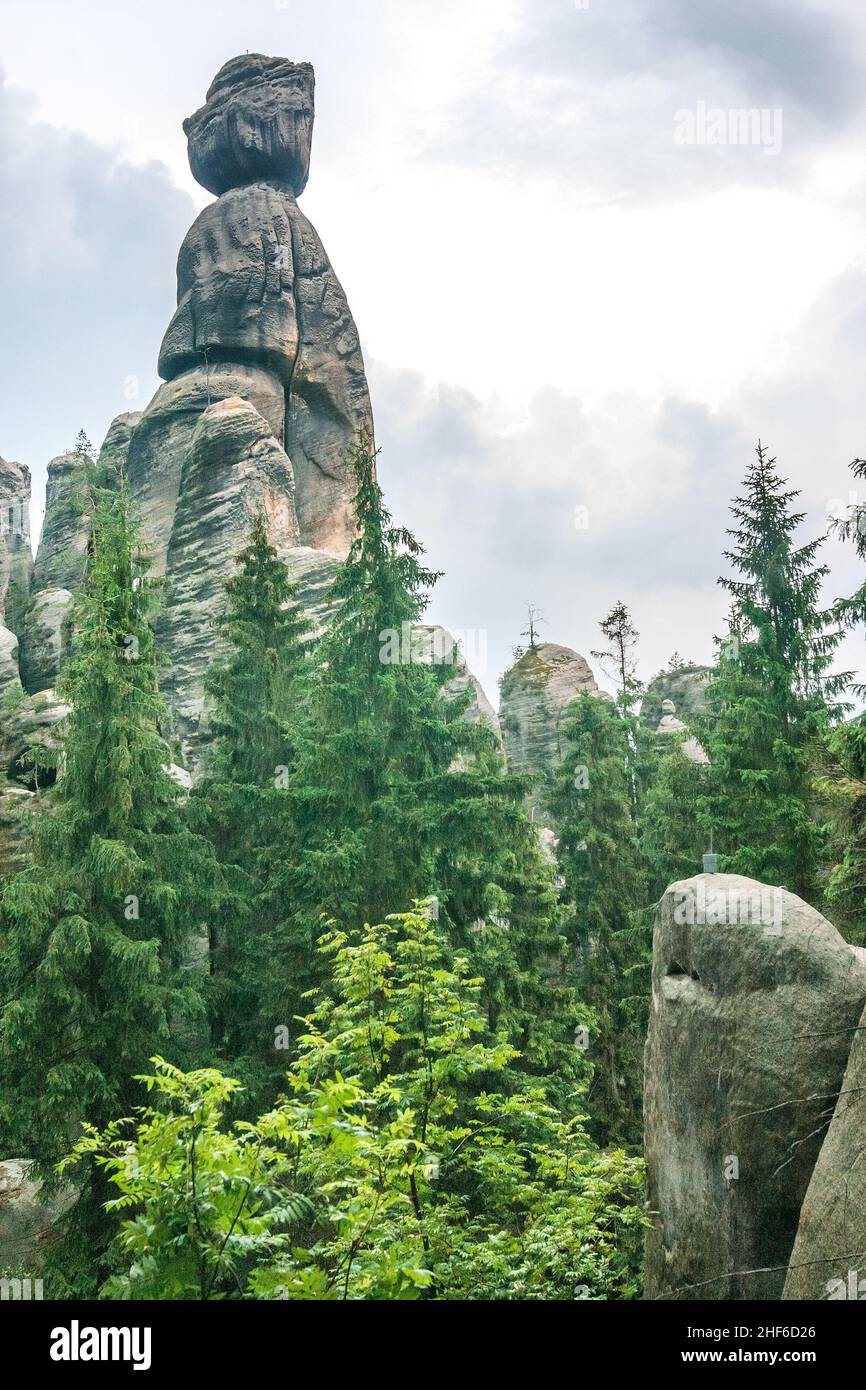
[(562, 305)]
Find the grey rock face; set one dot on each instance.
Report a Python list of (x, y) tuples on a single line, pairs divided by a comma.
[(754, 997), (686, 687), (256, 288), (29, 724), (535, 695), (257, 122), (45, 638), (436, 645), (671, 724), (114, 453), (234, 470), (9, 679), (828, 1260), (62, 555), (26, 1218), (328, 402), (161, 440), (16, 558), (235, 280)]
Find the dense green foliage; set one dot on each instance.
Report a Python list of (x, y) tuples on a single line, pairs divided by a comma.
[(352, 1100), (384, 794), (605, 884), (403, 1163), (95, 929), (767, 705), (259, 967)]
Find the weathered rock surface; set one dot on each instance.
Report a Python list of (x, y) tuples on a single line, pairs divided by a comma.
[(256, 288), (257, 122), (28, 724), (26, 1220), (16, 558), (671, 724), (62, 555), (9, 679), (535, 694), (114, 453), (829, 1255), (686, 687), (328, 402), (754, 996), (234, 470), (45, 638), (235, 285), (437, 645), (162, 438)]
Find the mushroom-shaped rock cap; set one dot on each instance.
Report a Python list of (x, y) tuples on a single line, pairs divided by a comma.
[(256, 123)]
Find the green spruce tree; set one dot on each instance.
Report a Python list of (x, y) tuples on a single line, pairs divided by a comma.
[(605, 888), (396, 796), (259, 968), (771, 698), (844, 773), (95, 931)]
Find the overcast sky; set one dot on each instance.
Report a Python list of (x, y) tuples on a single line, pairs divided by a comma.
[(579, 305)]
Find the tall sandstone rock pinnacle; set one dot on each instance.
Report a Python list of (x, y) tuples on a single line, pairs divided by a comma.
[(264, 396), (264, 391), (260, 313)]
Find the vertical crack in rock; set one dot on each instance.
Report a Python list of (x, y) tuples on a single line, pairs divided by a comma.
[(754, 999)]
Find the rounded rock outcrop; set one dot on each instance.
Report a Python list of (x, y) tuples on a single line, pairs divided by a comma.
[(257, 122), (755, 997)]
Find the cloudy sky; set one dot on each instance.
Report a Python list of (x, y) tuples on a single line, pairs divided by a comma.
[(582, 296)]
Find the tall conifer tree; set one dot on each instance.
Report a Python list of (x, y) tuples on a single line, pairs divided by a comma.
[(771, 696), (259, 967), (397, 797), (95, 931), (605, 888)]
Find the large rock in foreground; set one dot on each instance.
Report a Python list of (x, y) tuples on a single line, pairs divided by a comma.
[(829, 1256), (754, 996)]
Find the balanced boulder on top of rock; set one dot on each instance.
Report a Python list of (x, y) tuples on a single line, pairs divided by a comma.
[(257, 122), (754, 996), (255, 286)]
